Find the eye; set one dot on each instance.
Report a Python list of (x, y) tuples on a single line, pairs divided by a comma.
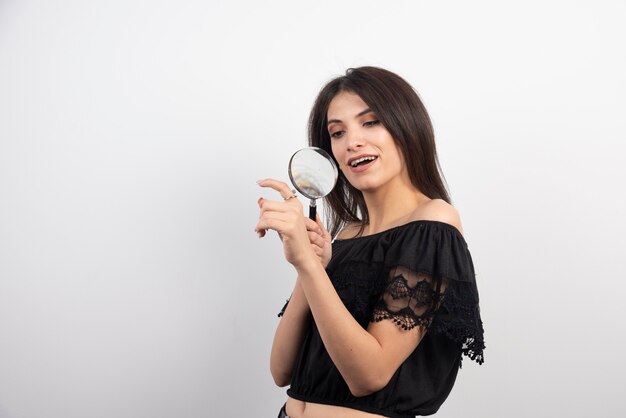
[(337, 134), (371, 123)]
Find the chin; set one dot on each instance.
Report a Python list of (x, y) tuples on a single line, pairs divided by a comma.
[(365, 186)]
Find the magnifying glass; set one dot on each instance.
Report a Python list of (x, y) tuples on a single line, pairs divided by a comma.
[(313, 173)]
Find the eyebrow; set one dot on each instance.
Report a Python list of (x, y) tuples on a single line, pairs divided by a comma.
[(364, 112)]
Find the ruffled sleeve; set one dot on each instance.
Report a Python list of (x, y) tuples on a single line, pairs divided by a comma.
[(430, 282)]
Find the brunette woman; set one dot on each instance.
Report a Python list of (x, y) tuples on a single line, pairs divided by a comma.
[(379, 317)]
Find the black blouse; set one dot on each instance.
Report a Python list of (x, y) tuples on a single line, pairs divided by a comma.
[(417, 274)]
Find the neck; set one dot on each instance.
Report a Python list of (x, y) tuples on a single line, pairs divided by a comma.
[(392, 205)]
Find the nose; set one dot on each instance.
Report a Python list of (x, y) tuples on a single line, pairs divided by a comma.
[(354, 140)]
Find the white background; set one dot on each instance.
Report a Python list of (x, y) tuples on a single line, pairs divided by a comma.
[(132, 283)]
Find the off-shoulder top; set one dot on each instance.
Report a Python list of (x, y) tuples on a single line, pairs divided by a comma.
[(419, 274)]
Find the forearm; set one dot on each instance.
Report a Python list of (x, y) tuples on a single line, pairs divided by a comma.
[(354, 350), (289, 336)]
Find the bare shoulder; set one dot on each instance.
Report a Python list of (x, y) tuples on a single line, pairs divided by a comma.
[(442, 211)]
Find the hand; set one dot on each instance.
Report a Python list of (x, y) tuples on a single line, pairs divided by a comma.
[(287, 219), (320, 240)]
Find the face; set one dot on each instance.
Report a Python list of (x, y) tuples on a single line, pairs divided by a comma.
[(365, 150)]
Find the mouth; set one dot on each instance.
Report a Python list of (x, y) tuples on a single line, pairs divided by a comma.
[(361, 160)]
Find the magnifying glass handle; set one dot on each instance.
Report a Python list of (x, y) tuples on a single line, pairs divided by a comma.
[(312, 209)]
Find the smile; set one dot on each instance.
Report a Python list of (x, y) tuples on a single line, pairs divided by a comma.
[(362, 160), (362, 164)]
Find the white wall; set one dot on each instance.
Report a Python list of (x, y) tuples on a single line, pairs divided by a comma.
[(132, 132)]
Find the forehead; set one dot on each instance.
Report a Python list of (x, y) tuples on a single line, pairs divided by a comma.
[(345, 104)]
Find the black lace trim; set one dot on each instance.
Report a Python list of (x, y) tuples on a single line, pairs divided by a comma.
[(420, 297), (405, 318), (459, 319), (447, 307)]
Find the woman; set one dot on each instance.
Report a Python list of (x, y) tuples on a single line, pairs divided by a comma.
[(379, 318)]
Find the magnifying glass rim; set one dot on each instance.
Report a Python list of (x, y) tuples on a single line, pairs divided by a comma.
[(324, 154)]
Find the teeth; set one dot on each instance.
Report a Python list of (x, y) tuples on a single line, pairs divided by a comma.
[(355, 162)]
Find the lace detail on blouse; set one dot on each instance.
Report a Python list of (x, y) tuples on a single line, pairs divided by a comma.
[(409, 299), (441, 306), (417, 275), (459, 319)]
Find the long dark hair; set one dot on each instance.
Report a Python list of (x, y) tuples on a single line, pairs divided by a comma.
[(403, 114)]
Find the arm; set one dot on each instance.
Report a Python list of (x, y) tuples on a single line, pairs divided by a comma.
[(289, 336), (365, 358), (295, 321)]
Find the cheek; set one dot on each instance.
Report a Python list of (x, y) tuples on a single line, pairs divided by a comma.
[(399, 156)]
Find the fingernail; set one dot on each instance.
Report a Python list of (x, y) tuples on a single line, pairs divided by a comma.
[(259, 181), (259, 201)]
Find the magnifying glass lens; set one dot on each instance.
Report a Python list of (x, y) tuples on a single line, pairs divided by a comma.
[(313, 173)]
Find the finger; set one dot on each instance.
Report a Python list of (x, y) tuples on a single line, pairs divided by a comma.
[(271, 206), (316, 239), (318, 251), (273, 224), (282, 223), (260, 232), (311, 225), (279, 216), (272, 210), (325, 232), (280, 186)]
